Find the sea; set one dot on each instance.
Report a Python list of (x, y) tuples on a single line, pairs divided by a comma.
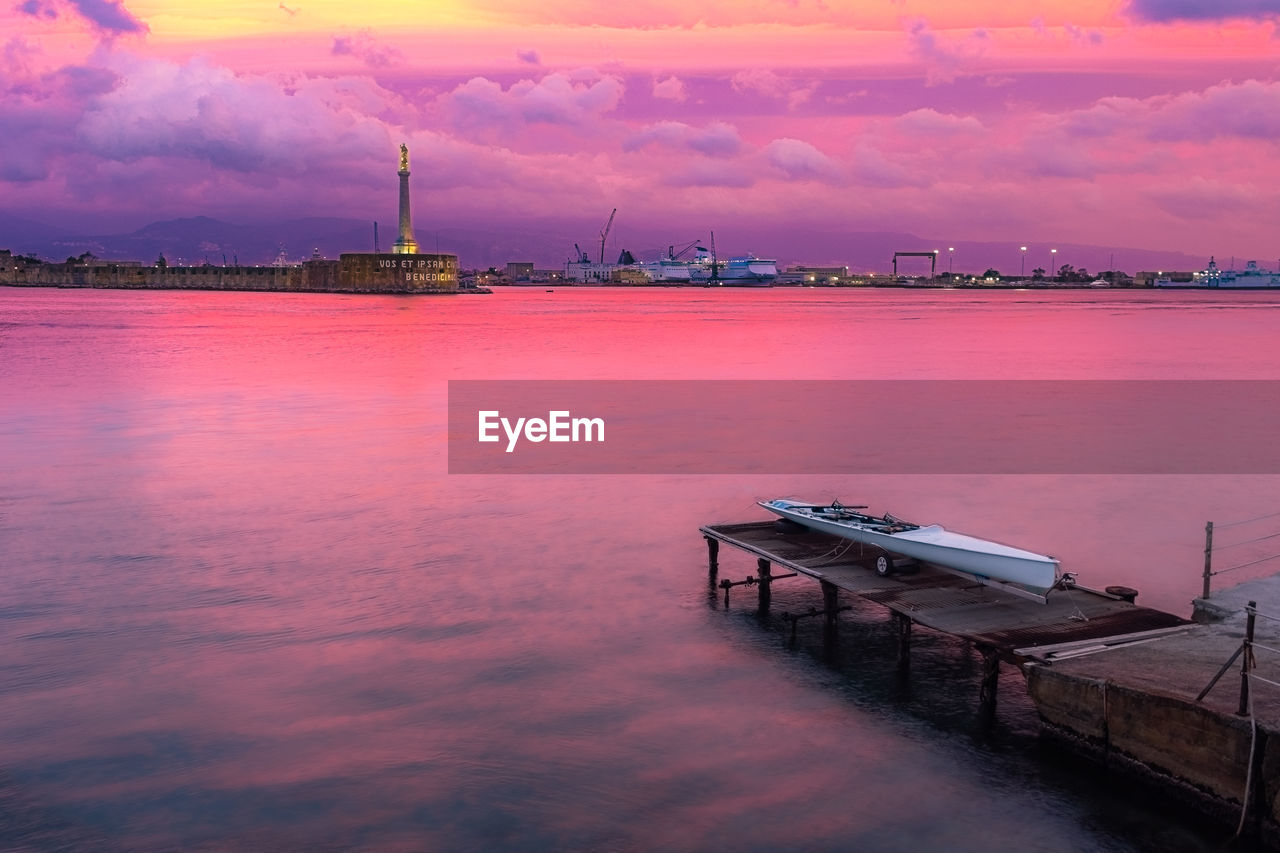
[(245, 605)]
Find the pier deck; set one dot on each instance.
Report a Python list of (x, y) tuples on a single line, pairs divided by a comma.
[(1015, 628), (1143, 710)]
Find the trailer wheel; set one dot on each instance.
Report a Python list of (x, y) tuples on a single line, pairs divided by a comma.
[(884, 565)]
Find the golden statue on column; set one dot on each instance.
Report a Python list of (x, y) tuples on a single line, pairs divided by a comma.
[(405, 244)]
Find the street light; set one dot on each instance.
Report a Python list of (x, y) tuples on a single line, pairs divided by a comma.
[(950, 258), (1024, 260), (1052, 261)]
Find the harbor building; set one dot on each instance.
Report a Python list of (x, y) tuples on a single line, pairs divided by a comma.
[(403, 270)]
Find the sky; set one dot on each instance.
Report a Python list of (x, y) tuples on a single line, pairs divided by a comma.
[(1143, 123)]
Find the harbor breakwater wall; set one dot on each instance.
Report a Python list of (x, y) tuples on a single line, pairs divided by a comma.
[(1184, 711), (1199, 754), (351, 273)]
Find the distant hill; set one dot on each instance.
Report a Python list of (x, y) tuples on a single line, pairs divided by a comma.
[(194, 240), (24, 236)]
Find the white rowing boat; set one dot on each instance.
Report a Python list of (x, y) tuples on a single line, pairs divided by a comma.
[(931, 543)]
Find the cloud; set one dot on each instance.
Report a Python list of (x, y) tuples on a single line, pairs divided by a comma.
[(800, 161), (109, 16), (1248, 110), (944, 59), (240, 123), (1202, 10), (558, 98), (41, 114), (763, 81), (287, 10), (366, 48), (17, 55), (717, 139), (37, 9), (670, 89), (1082, 36), (529, 57), (930, 122)]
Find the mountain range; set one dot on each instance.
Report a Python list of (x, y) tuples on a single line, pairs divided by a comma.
[(200, 239)]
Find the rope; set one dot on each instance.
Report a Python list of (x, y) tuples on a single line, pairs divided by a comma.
[(1246, 521), (1078, 616), (835, 553), (1245, 565), (1264, 681), (1245, 542), (1248, 776)]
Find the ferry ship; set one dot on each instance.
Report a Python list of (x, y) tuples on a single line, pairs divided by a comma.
[(748, 271), (1251, 277)]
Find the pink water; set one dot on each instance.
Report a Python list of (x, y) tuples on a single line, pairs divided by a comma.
[(245, 607)]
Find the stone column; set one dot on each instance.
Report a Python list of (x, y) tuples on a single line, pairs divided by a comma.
[(405, 243)]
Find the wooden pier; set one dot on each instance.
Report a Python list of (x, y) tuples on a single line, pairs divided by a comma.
[(1071, 622)]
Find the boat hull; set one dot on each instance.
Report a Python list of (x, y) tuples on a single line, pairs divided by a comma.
[(936, 545)]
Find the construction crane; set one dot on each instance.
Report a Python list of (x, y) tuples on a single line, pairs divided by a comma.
[(605, 233), (581, 256), (672, 254), (715, 263)]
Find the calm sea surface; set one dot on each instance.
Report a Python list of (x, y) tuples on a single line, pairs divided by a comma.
[(245, 607)]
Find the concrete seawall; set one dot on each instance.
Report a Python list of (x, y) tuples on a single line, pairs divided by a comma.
[(351, 273), (1134, 709)]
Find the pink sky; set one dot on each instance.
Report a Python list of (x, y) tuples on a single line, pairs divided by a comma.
[(1143, 123)]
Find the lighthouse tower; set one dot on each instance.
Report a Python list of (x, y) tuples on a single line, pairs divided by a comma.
[(405, 244)]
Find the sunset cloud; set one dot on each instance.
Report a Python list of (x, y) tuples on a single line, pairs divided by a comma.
[(1111, 123), (801, 161), (555, 99), (670, 89), (944, 58), (1203, 10), (717, 139), (366, 48)]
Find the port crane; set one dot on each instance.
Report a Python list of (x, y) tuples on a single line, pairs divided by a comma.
[(605, 233), (715, 263), (672, 254)]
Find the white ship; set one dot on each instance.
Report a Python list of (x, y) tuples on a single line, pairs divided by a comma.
[(669, 270), (1252, 276), (747, 271)]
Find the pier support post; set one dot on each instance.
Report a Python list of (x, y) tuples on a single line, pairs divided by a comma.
[(990, 683), (713, 559), (762, 573), (904, 641), (1246, 660), (1208, 557), (831, 609)]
